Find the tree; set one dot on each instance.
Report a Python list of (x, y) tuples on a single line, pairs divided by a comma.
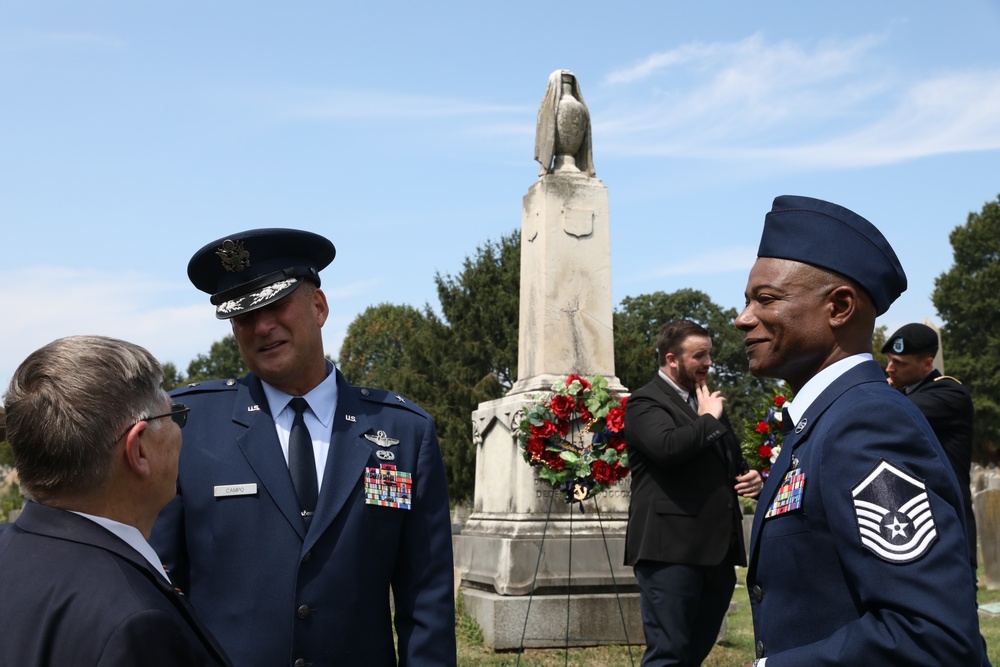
[(172, 378), (222, 361), (451, 365), (637, 322), (967, 297)]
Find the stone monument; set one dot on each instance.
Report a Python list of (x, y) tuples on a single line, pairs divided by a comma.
[(519, 525)]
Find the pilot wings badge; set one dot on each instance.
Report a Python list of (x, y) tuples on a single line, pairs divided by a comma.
[(381, 439)]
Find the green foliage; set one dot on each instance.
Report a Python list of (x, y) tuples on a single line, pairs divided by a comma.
[(637, 323), (222, 361), (172, 377), (967, 297), (451, 365)]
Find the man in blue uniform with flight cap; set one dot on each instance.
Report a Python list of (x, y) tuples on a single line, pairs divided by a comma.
[(303, 501), (858, 553)]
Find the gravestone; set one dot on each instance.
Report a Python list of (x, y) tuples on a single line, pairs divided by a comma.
[(987, 508), (522, 545)]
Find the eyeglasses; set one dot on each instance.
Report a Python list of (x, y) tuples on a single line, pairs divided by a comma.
[(178, 414)]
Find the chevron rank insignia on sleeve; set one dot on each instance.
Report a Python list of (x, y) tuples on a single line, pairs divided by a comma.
[(894, 514)]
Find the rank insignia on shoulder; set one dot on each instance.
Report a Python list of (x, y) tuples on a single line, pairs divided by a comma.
[(381, 439), (894, 515)]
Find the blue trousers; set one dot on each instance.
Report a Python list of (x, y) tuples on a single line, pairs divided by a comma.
[(683, 607)]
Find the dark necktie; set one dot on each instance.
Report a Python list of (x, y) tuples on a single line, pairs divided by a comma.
[(301, 461), (786, 422), (693, 402)]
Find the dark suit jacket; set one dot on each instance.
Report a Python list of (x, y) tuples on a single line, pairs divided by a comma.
[(274, 592), (683, 507), (818, 595), (73, 593)]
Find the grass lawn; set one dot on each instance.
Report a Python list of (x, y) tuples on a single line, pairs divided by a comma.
[(736, 651)]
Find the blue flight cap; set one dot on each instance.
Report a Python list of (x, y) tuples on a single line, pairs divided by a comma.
[(832, 237), (251, 269)]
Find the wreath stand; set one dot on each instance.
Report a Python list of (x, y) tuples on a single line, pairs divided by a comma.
[(614, 583)]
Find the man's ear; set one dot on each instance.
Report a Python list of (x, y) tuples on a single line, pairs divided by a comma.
[(135, 449), (843, 302)]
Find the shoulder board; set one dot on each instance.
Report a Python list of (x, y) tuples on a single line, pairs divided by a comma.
[(389, 398), (229, 384), (947, 377)]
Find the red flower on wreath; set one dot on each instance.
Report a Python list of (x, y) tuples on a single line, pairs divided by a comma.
[(762, 427), (544, 431), (779, 400), (617, 443), (582, 380), (602, 472), (765, 452), (616, 420), (562, 406)]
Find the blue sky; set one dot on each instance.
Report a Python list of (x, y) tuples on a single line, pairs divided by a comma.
[(136, 132)]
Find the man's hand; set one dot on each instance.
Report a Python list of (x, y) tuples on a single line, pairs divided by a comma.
[(709, 402), (749, 484)]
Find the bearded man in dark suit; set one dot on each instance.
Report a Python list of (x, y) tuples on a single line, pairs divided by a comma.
[(685, 527)]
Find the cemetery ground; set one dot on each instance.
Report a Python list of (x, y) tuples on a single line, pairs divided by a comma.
[(736, 651)]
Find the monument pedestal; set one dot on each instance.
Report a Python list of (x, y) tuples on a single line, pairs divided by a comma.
[(520, 525)]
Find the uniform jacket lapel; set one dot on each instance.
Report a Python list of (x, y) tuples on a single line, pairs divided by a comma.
[(345, 464), (262, 450)]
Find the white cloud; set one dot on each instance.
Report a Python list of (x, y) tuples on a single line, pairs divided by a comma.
[(833, 105)]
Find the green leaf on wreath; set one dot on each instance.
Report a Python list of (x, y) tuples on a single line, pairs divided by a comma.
[(569, 457)]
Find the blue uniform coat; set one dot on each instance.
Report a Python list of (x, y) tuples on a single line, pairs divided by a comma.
[(275, 593), (819, 597)]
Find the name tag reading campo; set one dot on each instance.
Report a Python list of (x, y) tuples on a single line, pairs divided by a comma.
[(235, 490)]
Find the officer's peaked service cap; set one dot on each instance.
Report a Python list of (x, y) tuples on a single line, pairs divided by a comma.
[(832, 237), (251, 269)]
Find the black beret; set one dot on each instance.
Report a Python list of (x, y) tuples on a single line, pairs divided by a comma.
[(911, 339), (832, 237), (249, 270)]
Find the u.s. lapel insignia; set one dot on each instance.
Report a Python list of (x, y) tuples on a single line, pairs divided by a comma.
[(350, 418), (381, 439), (894, 515), (801, 425), (253, 408)]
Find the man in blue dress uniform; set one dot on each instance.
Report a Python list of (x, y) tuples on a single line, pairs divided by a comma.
[(302, 500), (858, 552)]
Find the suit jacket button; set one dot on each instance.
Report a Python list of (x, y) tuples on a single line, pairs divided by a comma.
[(757, 592), (760, 649), (303, 611), (299, 663)]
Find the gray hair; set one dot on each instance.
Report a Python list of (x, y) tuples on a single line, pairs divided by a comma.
[(67, 406)]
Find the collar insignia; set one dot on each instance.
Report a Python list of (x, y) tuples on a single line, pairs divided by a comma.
[(253, 408), (381, 439), (350, 418), (234, 256), (400, 398)]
